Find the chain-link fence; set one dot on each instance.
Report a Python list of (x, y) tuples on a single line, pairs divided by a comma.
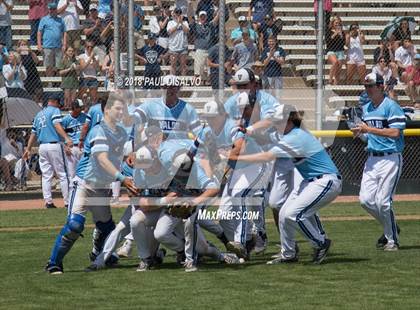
[(276, 39)]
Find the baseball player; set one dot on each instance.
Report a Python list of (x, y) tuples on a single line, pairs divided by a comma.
[(321, 184), (93, 117), (383, 124), (72, 124), (47, 129), (189, 181), (93, 191)]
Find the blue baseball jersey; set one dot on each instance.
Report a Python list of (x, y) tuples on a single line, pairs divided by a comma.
[(307, 153), (387, 115), (84, 160), (44, 122), (154, 185), (229, 135), (266, 102), (94, 115), (104, 139), (169, 148), (127, 170), (175, 122), (73, 126)]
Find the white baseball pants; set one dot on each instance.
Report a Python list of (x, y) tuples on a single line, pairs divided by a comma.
[(72, 160)]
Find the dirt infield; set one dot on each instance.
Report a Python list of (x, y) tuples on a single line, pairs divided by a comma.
[(32, 204)]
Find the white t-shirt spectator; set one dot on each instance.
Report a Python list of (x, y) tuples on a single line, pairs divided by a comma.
[(154, 25), (90, 71), (405, 56), (5, 18), (178, 40), (18, 78), (386, 74), (70, 15)]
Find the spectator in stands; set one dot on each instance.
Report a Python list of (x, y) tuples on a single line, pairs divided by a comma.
[(202, 32), (384, 69), (52, 38), (11, 151), (6, 7), (404, 56), (93, 30), (258, 9), (258, 69), (269, 27), (153, 21), (37, 10), (236, 35), (335, 39), (151, 56), (355, 56), (69, 11), (273, 57), (211, 7), (328, 6), (213, 64), (385, 50), (163, 20), (178, 30), (207, 6), (89, 67), (400, 34), (30, 62), (69, 71), (107, 68), (15, 73), (184, 6), (137, 22), (4, 56), (245, 53), (412, 79)]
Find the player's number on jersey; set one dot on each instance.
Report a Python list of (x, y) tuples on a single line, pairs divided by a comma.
[(43, 121)]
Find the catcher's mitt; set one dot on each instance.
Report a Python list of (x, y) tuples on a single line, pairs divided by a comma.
[(181, 210)]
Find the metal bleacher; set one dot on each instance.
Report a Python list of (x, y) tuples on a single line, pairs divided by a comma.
[(297, 38)]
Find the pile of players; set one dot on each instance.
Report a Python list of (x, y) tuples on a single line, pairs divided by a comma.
[(239, 158)]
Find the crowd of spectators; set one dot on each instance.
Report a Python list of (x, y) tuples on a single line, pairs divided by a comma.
[(181, 35)]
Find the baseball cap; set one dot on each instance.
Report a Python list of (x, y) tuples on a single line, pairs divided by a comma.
[(54, 96), (78, 103), (373, 79), (211, 109), (178, 11), (242, 100), (282, 112), (170, 81), (93, 6), (144, 158), (242, 19), (243, 76), (202, 13), (52, 5), (152, 35)]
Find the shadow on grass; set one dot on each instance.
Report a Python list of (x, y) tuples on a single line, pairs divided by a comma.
[(339, 260), (409, 247)]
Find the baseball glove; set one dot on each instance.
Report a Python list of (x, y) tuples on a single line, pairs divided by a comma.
[(181, 210)]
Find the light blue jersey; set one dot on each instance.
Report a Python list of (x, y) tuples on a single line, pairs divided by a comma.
[(169, 148), (104, 139), (387, 115), (307, 153), (153, 185), (175, 122), (73, 126), (44, 122), (84, 161), (229, 135), (94, 115), (266, 102)]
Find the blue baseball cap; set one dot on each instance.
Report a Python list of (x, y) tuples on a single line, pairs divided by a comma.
[(52, 5)]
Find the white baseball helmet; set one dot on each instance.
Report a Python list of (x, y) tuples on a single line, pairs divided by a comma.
[(144, 158), (243, 76), (242, 100), (211, 109), (181, 162), (282, 112)]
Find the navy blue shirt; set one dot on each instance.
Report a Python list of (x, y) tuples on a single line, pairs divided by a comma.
[(273, 68), (151, 54)]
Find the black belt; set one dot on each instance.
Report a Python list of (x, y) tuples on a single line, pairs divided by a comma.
[(380, 154), (55, 142), (323, 175)]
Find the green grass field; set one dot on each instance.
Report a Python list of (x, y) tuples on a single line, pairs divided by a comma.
[(354, 276)]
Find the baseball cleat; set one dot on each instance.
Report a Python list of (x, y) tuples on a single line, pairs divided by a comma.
[(230, 258), (190, 266), (237, 248), (278, 255), (54, 269), (145, 265), (50, 206), (92, 256), (382, 241), (92, 268), (112, 261), (160, 255), (281, 260), (180, 257), (321, 253), (391, 247), (261, 244), (125, 250)]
